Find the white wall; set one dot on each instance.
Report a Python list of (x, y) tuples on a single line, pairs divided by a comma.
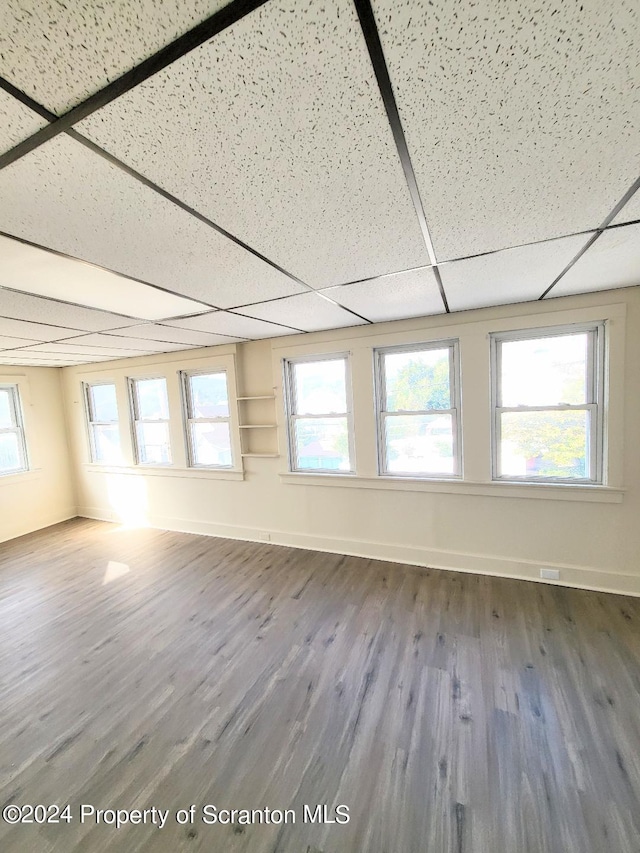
[(43, 495), (592, 535)]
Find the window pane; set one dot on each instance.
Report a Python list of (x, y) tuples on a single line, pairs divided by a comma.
[(545, 444), (209, 398), (106, 443), (10, 452), (152, 399), (103, 403), (322, 443), (419, 444), (6, 409), (153, 443), (417, 381), (211, 444), (545, 371), (320, 387)]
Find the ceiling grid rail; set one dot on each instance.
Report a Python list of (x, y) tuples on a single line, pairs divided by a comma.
[(376, 53), (216, 23), (635, 186)]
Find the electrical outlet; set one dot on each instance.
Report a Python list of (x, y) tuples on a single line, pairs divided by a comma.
[(550, 574), (264, 536)]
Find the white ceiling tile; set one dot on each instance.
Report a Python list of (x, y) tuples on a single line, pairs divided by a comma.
[(11, 343), (521, 274), (224, 323), (72, 348), (631, 211), (190, 337), (612, 261), (17, 358), (17, 122), (117, 341), (60, 53), (406, 294), (303, 167), (43, 273), (68, 198), (33, 331), (23, 306), (309, 312), (521, 118)]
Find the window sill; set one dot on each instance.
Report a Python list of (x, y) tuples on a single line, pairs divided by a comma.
[(545, 491), (10, 479), (166, 471)]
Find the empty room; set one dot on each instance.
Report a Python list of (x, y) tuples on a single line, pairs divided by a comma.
[(319, 426)]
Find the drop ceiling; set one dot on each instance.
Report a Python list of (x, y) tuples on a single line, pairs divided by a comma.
[(193, 172)]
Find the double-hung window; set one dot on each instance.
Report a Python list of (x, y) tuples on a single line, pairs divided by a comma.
[(548, 391), (150, 410), (418, 400), (104, 429), (13, 451), (318, 395), (206, 407)]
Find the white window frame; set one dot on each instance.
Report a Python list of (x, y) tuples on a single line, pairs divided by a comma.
[(91, 423), (596, 373), (453, 345), (135, 420), (187, 406), (17, 428), (292, 416)]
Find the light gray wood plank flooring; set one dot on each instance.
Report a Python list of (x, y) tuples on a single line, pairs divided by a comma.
[(451, 713)]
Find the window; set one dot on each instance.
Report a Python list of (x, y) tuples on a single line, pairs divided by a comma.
[(13, 451), (206, 402), (548, 395), (104, 429), (150, 407), (319, 414), (418, 410)]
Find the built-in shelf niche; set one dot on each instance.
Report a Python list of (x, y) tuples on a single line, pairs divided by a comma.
[(258, 436)]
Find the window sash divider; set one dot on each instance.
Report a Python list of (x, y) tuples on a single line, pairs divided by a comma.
[(568, 407), (320, 417), (208, 420), (419, 412)]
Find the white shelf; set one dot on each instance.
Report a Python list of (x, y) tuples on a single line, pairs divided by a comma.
[(260, 449)]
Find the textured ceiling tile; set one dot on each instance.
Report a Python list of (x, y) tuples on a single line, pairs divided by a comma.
[(60, 53), (23, 306), (521, 118), (72, 348), (68, 198), (276, 130), (17, 122), (511, 275), (309, 312), (33, 331), (631, 211), (117, 341), (12, 343), (612, 261), (159, 333), (407, 294), (42, 273), (224, 323), (17, 358)]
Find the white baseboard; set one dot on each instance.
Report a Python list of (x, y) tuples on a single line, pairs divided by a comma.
[(580, 577), (38, 524)]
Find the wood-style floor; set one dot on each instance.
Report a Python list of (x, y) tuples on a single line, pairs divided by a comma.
[(451, 713)]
